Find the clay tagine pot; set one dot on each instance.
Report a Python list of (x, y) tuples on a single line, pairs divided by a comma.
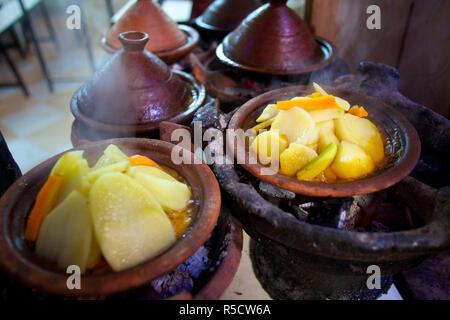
[(169, 41), (402, 144), (134, 91), (225, 15), (17, 259), (275, 40)]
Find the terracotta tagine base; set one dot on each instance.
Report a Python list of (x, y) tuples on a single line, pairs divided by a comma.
[(402, 144), (22, 264), (208, 280), (301, 243)]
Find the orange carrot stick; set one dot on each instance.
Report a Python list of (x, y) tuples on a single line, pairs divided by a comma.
[(308, 104), (45, 201), (138, 160), (358, 111)]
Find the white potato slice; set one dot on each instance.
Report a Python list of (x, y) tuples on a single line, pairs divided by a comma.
[(296, 124), (171, 195), (129, 223), (65, 235), (152, 171)]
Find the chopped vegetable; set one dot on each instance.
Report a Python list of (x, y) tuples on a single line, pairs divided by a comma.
[(319, 164), (263, 125), (358, 111), (45, 202), (138, 160), (269, 112), (308, 104)]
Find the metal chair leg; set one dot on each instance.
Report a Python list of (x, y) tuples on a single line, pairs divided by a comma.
[(87, 40), (48, 23), (110, 9), (14, 70), (29, 27), (16, 42)]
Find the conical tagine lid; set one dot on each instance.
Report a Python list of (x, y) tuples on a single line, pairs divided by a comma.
[(133, 87), (272, 39), (225, 15), (147, 16)]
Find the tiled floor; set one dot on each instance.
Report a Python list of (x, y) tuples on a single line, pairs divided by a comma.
[(38, 127)]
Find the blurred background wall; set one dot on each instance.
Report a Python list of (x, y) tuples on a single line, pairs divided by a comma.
[(414, 38)]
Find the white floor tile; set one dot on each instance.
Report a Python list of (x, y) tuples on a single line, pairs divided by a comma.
[(31, 119), (26, 154)]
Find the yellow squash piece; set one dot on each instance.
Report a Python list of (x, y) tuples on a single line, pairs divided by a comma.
[(263, 125), (269, 112), (326, 114), (362, 132), (296, 124), (352, 162), (295, 158), (66, 233), (129, 223), (319, 89), (326, 135), (268, 146), (66, 162), (75, 179), (171, 195), (319, 164), (152, 171), (111, 155), (115, 167)]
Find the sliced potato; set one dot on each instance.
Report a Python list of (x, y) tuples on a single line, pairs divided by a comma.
[(268, 146), (115, 154), (111, 155), (129, 223), (66, 162), (296, 124), (343, 104), (153, 171), (352, 162), (320, 89), (77, 236), (75, 179), (295, 158), (269, 112), (362, 132), (326, 135), (115, 167), (326, 114), (313, 138), (171, 195), (263, 125), (66, 232)]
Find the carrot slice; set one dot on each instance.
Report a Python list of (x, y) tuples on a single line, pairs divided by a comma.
[(45, 201), (308, 104), (138, 160), (358, 111)]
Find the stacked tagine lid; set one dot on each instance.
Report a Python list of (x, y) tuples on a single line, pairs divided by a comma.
[(169, 41), (224, 15), (132, 93), (275, 40)]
